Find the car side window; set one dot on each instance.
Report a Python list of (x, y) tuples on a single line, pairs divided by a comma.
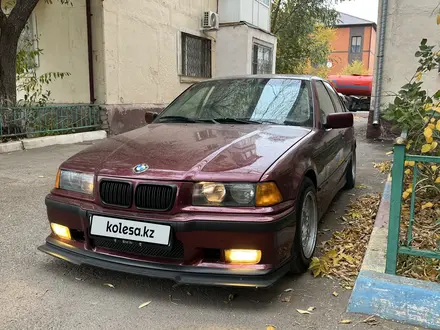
[(325, 102), (335, 97)]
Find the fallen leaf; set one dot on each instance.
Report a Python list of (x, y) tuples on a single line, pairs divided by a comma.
[(144, 304), (335, 294), (345, 322), (109, 285), (426, 148), (270, 327), (427, 205), (288, 290), (301, 311), (286, 299)]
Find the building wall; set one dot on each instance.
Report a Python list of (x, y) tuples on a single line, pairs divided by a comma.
[(341, 55), (232, 40), (340, 45), (235, 49), (62, 33), (407, 24), (142, 48), (256, 12)]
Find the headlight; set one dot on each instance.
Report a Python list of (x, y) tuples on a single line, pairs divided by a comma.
[(75, 181), (236, 194)]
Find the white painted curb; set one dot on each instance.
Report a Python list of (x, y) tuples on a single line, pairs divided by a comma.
[(10, 146), (52, 140)]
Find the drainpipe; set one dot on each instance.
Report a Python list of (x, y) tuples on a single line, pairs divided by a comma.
[(90, 52), (379, 72)]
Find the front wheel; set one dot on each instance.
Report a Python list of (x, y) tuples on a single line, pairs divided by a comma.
[(306, 228), (350, 174)]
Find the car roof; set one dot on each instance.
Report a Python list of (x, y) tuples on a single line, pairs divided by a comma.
[(269, 76)]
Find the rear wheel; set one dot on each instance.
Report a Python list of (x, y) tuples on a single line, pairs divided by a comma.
[(306, 228), (350, 174)]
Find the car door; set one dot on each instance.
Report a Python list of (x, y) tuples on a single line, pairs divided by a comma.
[(330, 146), (347, 134)]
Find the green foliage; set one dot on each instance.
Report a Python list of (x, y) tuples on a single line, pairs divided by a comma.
[(413, 110), (356, 67), (294, 23), (320, 49)]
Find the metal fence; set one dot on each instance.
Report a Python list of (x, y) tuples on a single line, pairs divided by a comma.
[(395, 245), (23, 122)]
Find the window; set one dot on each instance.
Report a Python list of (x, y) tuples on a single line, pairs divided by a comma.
[(266, 2), (261, 59), (196, 56), (335, 97), (325, 102), (356, 43), (28, 41)]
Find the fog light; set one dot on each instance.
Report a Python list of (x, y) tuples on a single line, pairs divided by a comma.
[(243, 256), (60, 231)]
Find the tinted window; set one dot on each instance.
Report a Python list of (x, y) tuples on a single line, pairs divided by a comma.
[(335, 97), (325, 102), (280, 101)]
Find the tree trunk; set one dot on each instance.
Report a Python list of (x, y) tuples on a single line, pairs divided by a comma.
[(10, 30), (8, 51)]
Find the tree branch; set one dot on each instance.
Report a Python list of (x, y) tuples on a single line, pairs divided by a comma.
[(20, 14), (2, 16), (275, 15)]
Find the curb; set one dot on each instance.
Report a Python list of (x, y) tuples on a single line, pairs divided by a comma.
[(46, 141), (388, 296)]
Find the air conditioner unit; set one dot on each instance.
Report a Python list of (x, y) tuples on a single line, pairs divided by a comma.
[(210, 21)]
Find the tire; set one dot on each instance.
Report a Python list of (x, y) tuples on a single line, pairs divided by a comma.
[(350, 174), (301, 257)]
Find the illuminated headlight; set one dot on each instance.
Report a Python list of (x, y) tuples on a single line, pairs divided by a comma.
[(75, 181), (235, 194)]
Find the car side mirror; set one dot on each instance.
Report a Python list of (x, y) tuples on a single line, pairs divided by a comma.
[(150, 117), (339, 120)]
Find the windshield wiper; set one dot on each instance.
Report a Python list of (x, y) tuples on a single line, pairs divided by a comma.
[(236, 120), (182, 119), (244, 121)]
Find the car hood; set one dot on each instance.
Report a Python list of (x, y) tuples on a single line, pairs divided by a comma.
[(188, 152)]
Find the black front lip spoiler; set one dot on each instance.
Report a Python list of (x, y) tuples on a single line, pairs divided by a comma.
[(179, 274)]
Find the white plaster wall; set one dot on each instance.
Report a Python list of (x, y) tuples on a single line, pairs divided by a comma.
[(232, 50), (408, 23), (235, 49), (62, 32), (141, 47)]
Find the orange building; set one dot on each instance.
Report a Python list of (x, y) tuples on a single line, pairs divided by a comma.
[(355, 40)]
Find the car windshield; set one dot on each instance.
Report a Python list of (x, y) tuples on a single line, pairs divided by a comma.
[(244, 101)]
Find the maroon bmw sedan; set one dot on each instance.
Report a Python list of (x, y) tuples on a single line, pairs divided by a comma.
[(225, 187)]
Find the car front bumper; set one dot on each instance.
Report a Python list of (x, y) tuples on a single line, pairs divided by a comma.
[(273, 235), (179, 274)]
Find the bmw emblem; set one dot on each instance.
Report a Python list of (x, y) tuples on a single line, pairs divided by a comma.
[(141, 168)]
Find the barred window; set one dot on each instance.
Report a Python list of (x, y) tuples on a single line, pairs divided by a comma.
[(261, 59), (196, 56)]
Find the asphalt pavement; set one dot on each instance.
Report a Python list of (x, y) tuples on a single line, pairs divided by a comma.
[(40, 292)]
